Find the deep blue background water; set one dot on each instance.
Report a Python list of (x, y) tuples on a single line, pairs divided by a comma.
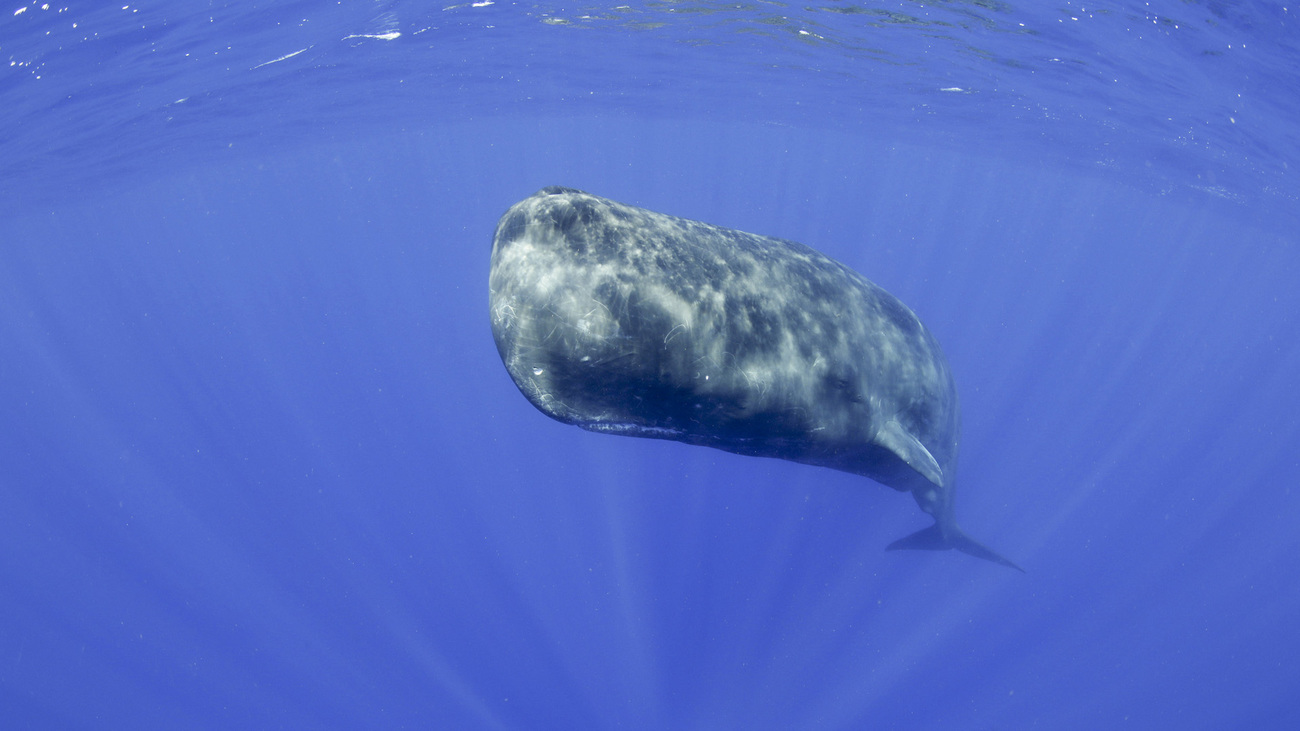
[(260, 465)]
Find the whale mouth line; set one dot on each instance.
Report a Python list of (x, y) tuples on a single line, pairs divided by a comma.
[(630, 429)]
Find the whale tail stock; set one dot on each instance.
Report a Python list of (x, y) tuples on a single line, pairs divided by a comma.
[(939, 538)]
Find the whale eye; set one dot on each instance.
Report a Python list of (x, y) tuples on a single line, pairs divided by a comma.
[(537, 371)]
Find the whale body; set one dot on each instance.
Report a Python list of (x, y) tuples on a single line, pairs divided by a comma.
[(625, 321)]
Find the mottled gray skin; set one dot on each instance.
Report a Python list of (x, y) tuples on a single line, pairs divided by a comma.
[(622, 320)]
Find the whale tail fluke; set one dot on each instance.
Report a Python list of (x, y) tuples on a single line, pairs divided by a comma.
[(936, 538)]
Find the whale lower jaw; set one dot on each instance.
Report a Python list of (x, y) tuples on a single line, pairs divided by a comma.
[(632, 430)]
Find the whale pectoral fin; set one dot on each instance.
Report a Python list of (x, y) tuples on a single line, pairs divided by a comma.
[(907, 448), (935, 538)]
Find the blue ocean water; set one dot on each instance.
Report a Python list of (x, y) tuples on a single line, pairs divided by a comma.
[(261, 467)]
